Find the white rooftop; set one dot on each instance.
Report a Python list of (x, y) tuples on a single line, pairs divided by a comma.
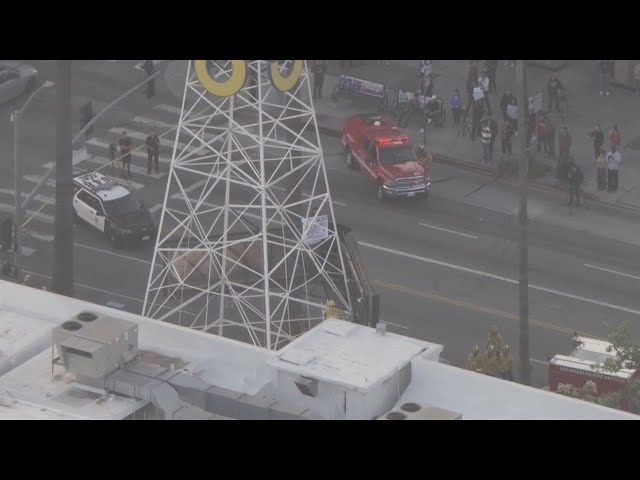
[(353, 357), (350, 355)]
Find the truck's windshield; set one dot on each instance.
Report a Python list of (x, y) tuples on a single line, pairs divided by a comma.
[(400, 154)]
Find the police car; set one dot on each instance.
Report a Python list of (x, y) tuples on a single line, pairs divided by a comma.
[(110, 208)]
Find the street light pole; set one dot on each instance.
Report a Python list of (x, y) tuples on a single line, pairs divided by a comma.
[(17, 181), (523, 284)]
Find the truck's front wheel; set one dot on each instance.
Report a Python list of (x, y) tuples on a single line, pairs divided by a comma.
[(349, 158)]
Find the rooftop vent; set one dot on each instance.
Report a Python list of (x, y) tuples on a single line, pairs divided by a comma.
[(71, 326), (86, 316)]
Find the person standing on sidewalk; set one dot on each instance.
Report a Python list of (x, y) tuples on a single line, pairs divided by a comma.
[(614, 136), (486, 142), (606, 71), (456, 106), (553, 86), (472, 79), (540, 128), (319, 69), (564, 143), (493, 127), (601, 169), (153, 151), (505, 101), (613, 165), (512, 114), (575, 177), (484, 82), (476, 116), (125, 152), (507, 137), (550, 139), (492, 67), (598, 139)]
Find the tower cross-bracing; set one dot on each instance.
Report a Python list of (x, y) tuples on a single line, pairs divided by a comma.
[(247, 243)]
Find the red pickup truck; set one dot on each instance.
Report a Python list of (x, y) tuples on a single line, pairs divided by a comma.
[(384, 154)]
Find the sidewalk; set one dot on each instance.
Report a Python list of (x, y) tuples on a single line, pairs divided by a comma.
[(586, 107)]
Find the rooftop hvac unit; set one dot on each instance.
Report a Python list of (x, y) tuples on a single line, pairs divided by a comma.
[(95, 345), (415, 411)]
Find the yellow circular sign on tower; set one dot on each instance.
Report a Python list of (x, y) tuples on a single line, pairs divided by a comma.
[(226, 88), (238, 76)]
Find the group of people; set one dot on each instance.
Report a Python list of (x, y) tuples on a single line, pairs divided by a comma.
[(152, 145), (607, 163), (497, 361)]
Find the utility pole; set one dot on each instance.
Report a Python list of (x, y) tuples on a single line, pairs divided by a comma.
[(523, 284), (17, 174), (62, 282)]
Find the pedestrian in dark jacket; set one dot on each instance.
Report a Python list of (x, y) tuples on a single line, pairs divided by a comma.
[(606, 72), (564, 145), (553, 86), (506, 100), (601, 169), (507, 137), (550, 139), (575, 180), (540, 128), (598, 139), (493, 126), (319, 69), (456, 106), (477, 110)]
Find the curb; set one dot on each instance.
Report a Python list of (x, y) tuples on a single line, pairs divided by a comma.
[(331, 132)]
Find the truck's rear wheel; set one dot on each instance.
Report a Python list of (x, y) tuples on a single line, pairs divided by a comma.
[(349, 158)]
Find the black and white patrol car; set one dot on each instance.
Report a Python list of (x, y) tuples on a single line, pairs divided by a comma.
[(112, 209)]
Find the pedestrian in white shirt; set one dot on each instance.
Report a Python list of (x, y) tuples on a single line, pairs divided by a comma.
[(613, 165), (483, 81)]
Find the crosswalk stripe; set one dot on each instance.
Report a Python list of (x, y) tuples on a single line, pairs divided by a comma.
[(43, 217), (96, 142), (155, 208), (37, 198), (168, 108), (152, 122), (98, 160), (138, 66), (38, 236)]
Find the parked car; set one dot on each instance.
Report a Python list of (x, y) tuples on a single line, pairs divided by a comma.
[(15, 79)]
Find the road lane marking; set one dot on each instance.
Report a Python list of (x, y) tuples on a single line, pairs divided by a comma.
[(499, 277), (479, 308), (107, 252), (504, 212), (446, 230), (612, 271), (155, 208)]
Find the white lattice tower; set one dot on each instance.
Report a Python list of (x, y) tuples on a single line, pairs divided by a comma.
[(238, 242)]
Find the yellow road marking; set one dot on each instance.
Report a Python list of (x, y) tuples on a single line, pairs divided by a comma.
[(479, 308)]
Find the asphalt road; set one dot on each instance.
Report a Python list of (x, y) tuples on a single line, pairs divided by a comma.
[(446, 268)]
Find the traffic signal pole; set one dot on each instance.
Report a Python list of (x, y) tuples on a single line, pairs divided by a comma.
[(62, 281), (80, 135)]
